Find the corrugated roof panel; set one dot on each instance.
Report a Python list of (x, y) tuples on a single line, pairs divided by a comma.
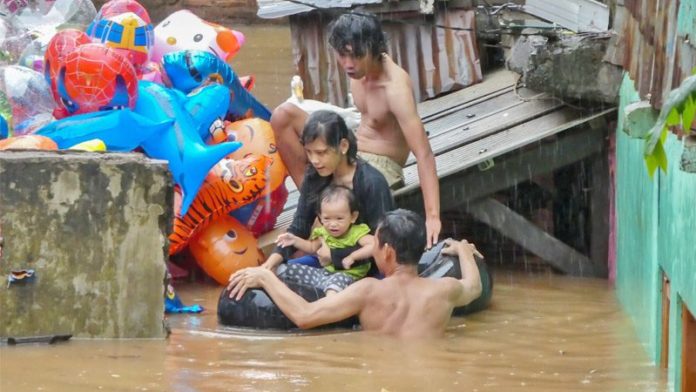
[(271, 9), (576, 15), (653, 41)]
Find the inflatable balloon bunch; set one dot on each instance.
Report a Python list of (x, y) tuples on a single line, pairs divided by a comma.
[(99, 88)]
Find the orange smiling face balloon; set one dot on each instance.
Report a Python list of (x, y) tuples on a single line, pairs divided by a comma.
[(257, 138), (224, 247)]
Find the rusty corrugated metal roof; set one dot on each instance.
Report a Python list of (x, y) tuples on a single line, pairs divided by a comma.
[(654, 44), (271, 9)]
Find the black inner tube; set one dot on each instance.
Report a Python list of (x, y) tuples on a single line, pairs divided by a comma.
[(257, 310)]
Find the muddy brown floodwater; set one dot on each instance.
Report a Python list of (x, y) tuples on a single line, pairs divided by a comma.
[(542, 333), (267, 55)]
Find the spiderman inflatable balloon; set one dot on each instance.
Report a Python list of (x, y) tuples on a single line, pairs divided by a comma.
[(59, 47), (93, 78)]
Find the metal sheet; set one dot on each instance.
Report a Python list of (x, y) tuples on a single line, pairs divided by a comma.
[(271, 9), (576, 15), (655, 45)]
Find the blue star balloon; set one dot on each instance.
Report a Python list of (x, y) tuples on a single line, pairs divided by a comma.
[(189, 157)]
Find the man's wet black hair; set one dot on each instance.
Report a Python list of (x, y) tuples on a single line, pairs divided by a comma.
[(363, 32), (404, 231), (336, 192)]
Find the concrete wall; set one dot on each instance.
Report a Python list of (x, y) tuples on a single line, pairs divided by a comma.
[(93, 227), (656, 221)]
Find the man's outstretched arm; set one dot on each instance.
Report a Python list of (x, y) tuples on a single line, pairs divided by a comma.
[(337, 307), (469, 287), (403, 105)]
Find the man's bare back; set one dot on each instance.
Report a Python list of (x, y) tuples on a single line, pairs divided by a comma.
[(407, 306)]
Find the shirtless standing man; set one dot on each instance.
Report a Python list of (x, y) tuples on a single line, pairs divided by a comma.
[(389, 128), (402, 304)]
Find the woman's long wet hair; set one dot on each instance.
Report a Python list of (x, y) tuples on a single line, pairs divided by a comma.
[(331, 128), (363, 32)]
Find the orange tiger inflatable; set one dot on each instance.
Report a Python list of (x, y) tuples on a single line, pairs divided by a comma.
[(257, 138), (230, 184), (224, 247)]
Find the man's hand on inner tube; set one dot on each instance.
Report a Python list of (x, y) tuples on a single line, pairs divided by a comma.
[(248, 278)]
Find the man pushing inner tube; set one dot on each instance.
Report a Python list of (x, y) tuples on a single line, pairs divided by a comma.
[(258, 298)]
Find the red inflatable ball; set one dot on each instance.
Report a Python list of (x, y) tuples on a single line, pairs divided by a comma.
[(224, 247)]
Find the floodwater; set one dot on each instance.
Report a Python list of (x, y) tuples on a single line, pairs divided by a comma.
[(541, 333), (267, 54)]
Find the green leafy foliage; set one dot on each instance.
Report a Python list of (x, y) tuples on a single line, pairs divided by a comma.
[(678, 110)]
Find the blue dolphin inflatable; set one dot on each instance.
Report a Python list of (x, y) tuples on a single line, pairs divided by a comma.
[(190, 69), (120, 130), (4, 128)]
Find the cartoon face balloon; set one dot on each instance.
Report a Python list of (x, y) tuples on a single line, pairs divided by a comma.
[(224, 247), (183, 30), (125, 26), (257, 138), (96, 78)]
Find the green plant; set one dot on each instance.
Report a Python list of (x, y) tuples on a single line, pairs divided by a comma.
[(678, 109)]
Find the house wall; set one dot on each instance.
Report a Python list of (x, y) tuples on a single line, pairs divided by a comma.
[(655, 44), (656, 219)]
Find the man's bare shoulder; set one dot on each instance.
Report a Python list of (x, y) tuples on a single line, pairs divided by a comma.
[(451, 286), (363, 286)]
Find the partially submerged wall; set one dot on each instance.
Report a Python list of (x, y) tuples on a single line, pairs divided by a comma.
[(655, 229), (93, 228)]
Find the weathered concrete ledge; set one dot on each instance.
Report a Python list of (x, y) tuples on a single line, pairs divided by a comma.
[(93, 226), (569, 67)]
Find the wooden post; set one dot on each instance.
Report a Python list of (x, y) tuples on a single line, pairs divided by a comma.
[(599, 210), (529, 236)]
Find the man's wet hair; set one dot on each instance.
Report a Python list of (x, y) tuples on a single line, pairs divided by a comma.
[(338, 192), (362, 32), (404, 231), (331, 127)]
